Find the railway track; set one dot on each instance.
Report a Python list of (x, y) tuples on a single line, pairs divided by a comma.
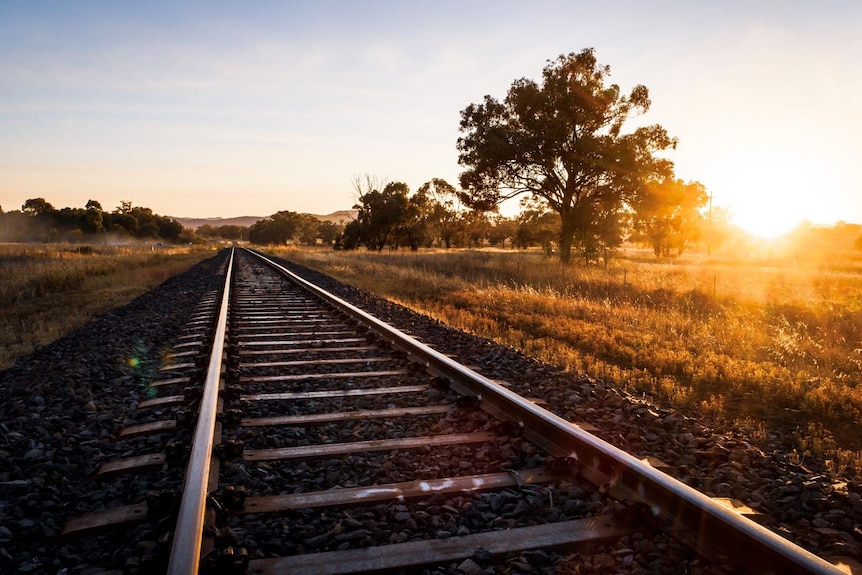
[(312, 438)]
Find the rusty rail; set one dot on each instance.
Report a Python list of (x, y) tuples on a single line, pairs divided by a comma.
[(188, 534)]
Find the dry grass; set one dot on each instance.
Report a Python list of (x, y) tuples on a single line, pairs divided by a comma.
[(46, 291), (726, 340)]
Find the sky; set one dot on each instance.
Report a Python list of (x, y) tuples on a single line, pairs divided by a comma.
[(221, 109)]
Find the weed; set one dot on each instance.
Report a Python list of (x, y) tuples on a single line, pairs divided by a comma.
[(815, 440), (795, 458), (714, 406), (849, 462)]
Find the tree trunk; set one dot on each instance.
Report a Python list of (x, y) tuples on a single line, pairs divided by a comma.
[(567, 235), (565, 249)]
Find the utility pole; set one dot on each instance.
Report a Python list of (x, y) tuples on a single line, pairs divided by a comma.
[(709, 228)]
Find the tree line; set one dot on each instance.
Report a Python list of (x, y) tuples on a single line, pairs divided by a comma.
[(284, 227), (588, 185), (38, 220), (388, 216), (560, 143), (432, 217)]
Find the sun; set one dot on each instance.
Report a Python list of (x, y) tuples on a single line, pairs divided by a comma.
[(770, 181), (766, 220), (767, 195)]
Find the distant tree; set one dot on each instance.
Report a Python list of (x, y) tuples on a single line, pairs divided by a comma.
[(667, 215), (48, 223), (476, 228), (232, 232), (92, 221), (328, 231), (841, 237), (308, 229), (169, 229), (503, 229), (562, 143), (717, 229), (536, 226), (207, 230), (16, 226), (417, 223), (120, 222), (262, 232), (67, 219), (599, 240), (445, 218), (279, 228), (379, 214), (141, 222), (147, 226), (350, 237), (37, 207), (810, 243), (227, 231)]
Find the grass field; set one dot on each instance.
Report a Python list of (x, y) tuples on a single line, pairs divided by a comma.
[(727, 340), (719, 339), (48, 290)]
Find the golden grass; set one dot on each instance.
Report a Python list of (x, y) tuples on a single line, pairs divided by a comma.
[(46, 291), (724, 340)]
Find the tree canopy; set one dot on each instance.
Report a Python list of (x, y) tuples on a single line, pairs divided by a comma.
[(562, 142)]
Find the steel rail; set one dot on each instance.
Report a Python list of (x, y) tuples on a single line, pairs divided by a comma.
[(689, 515), (188, 534)]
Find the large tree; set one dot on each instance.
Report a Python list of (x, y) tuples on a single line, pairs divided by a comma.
[(562, 141)]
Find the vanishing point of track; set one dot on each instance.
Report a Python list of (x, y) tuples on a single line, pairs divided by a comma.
[(309, 419)]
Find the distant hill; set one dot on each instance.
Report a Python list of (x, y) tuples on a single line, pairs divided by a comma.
[(339, 217), (195, 223)]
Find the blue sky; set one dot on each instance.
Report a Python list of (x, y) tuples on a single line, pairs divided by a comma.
[(224, 109)]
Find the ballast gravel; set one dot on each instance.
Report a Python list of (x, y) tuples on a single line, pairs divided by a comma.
[(63, 405)]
